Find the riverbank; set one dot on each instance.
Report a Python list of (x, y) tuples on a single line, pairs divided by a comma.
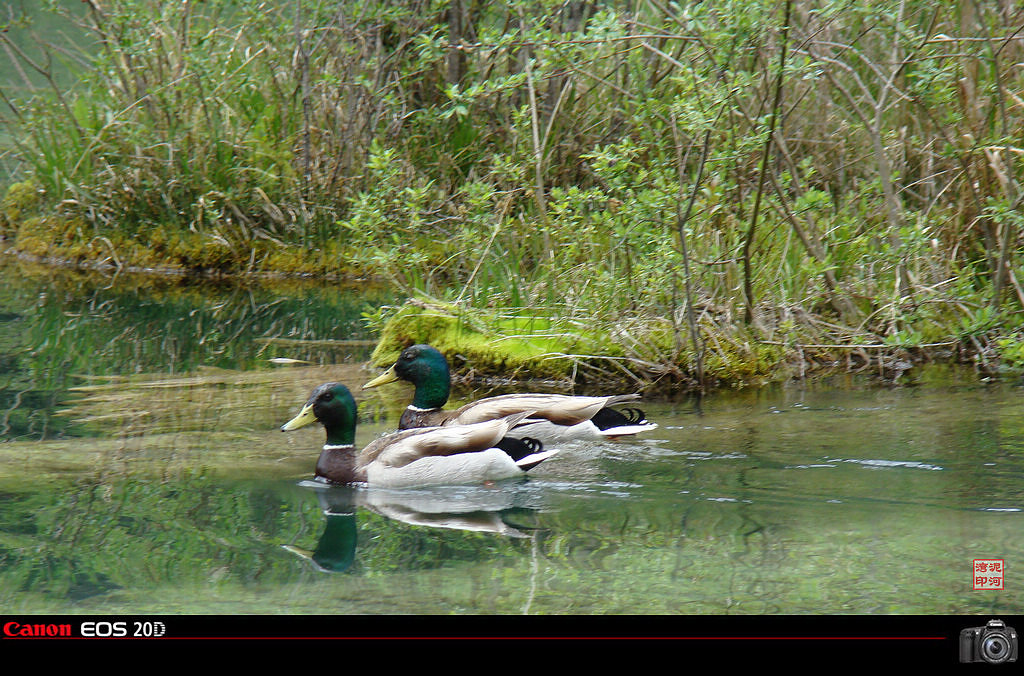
[(634, 195), (503, 349), (513, 348)]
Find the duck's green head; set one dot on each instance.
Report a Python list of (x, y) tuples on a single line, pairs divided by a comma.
[(331, 405), (424, 367)]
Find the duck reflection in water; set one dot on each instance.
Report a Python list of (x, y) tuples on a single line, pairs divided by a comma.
[(478, 509)]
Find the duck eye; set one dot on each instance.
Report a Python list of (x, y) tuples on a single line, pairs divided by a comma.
[(328, 396)]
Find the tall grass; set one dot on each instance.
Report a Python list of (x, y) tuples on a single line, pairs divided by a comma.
[(850, 168)]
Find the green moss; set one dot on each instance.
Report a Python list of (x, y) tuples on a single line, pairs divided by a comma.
[(481, 342), (20, 200), (37, 235), (741, 365), (526, 348)]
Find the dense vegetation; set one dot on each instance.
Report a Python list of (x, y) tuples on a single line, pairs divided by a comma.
[(694, 191)]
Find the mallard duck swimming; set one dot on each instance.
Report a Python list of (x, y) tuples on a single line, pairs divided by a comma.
[(419, 457), (567, 417)]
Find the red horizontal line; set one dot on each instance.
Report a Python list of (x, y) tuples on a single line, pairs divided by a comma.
[(490, 638)]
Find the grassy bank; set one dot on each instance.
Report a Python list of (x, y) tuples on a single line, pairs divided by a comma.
[(689, 194)]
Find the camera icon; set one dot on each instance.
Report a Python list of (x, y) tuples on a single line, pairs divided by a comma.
[(994, 643)]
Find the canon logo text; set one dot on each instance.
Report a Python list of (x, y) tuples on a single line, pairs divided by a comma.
[(36, 630)]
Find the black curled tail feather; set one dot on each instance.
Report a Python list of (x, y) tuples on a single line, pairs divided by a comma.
[(518, 449), (608, 418)]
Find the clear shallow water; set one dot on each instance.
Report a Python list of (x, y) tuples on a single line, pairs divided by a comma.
[(143, 473)]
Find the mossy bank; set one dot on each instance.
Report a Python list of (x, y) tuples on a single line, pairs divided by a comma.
[(32, 228), (539, 344), (501, 349)]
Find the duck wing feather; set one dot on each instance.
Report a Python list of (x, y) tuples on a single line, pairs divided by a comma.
[(402, 448), (560, 409)]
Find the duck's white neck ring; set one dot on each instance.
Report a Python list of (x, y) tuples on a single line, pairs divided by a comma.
[(338, 447), (417, 409)]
